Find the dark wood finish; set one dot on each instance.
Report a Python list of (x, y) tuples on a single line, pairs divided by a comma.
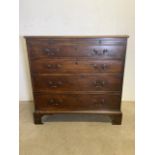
[(46, 66), (74, 102), (77, 74), (37, 118), (116, 119), (62, 51), (92, 82)]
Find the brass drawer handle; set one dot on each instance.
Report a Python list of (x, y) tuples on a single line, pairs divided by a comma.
[(99, 84), (53, 66), (105, 51), (102, 66), (99, 53), (47, 50), (54, 84), (95, 51), (55, 102), (51, 52), (99, 102)]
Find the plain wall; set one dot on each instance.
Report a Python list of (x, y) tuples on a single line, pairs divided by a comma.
[(76, 17)]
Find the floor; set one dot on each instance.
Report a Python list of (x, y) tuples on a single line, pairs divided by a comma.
[(76, 135)]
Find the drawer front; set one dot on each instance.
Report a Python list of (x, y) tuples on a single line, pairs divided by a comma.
[(50, 51), (101, 82), (73, 102), (76, 66), (59, 41)]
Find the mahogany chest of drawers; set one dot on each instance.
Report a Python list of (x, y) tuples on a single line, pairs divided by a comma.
[(77, 75)]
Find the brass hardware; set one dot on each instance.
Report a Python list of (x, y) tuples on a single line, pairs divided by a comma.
[(55, 102), (99, 102), (55, 84), (95, 51), (105, 51), (99, 53), (54, 66), (102, 66), (50, 52), (99, 83)]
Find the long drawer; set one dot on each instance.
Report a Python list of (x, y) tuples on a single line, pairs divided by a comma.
[(51, 51), (92, 82), (75, 102), (57, 41), (76, 66)]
